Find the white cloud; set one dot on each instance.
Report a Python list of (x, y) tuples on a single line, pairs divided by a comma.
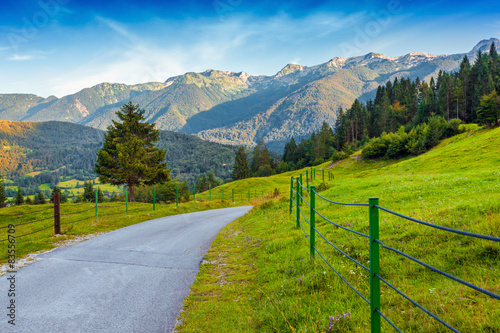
[(158, 49), (17, 57)]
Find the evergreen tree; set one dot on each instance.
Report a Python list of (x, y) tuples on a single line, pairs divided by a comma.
[(241, 169), (212, 180), (19, 199), (488, 111), (28, 200), (62, 198), (100, 195), (128, 155), (39, 198), (265, 157), (256, 159), (3, 198), (458, 98), (88, 192)]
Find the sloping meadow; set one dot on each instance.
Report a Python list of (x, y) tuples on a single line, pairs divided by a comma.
[(259, 275)]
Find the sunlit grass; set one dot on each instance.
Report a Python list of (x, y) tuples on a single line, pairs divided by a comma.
[(110, 216), (259, 276)]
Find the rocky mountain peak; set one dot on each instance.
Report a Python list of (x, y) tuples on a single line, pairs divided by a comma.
[(289, 69), (484, 45)]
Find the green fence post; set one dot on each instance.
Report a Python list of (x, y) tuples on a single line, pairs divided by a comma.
[(96, 200), (298, 206), (176, 196), (194, 192), (323, 175), (300, 188), (291, 194), (374, 265), (233, 194), (312, 219), (210, 192), (126, 201), (307, 179), (154, 198)]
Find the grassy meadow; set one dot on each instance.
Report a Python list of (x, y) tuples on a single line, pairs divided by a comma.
[(80, 219), (259, 276)]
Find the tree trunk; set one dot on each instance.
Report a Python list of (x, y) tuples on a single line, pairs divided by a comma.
[(448, 105), (131, 193)]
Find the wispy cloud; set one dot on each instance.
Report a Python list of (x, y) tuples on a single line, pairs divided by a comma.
[(17, 57)]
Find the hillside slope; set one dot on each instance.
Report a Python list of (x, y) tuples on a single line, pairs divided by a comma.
[(71, 150), (259, 272), (238, 108)]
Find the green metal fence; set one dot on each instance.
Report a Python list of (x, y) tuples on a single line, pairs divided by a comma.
[(374, 247)]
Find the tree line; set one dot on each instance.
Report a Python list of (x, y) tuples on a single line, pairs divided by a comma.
[(406, 117)]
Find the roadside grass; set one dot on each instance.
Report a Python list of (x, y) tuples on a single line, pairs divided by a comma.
[(72, 184), (258, 275), (79, 219)]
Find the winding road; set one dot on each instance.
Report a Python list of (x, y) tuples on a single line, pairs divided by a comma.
[(132, 279)]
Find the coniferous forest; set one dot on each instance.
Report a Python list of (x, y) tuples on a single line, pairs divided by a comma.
[(406, 117)]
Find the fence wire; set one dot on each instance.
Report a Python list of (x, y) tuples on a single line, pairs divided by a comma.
[(354, 260), (492, 238), (432, 268), (340, 275), (390, 322), (495, 239), (416, 304)]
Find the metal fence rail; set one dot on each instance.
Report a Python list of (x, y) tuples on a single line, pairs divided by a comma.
[(374, 244)]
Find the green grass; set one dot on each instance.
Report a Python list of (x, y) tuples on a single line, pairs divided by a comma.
[(79, 219), (258, 275), (44, 187)]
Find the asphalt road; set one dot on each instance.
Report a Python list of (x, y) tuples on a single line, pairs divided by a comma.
[(129, 280)]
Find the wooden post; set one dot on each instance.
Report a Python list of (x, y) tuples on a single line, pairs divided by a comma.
[(57, 213)]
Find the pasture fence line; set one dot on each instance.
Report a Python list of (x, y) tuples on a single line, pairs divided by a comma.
[(59, 218), (297, 200)]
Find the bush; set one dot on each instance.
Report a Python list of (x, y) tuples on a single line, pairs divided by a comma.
[(420, 139), (322, 187), (338, 156)]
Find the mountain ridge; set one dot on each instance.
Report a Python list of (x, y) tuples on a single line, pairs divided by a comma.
[(238, 108)]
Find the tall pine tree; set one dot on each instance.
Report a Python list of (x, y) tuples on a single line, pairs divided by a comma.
[(19, 199), (128, 155), (3, 198), (241, 169)]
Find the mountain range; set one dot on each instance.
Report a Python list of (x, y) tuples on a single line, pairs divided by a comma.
[(238, 108)]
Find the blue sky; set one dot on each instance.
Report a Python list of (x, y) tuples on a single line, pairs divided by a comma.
[(58, 47)]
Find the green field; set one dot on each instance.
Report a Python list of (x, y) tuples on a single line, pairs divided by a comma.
[(80, 219), (258, 275)]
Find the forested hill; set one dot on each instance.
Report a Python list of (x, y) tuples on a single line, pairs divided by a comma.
[(66, 150), (238, 108)]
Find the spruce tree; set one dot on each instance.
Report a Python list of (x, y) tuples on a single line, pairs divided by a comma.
[(19, 199), (3, 198), (488, 111), (62, 198), (88, 192), (39, 198), (128, 155), (241, 169)]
